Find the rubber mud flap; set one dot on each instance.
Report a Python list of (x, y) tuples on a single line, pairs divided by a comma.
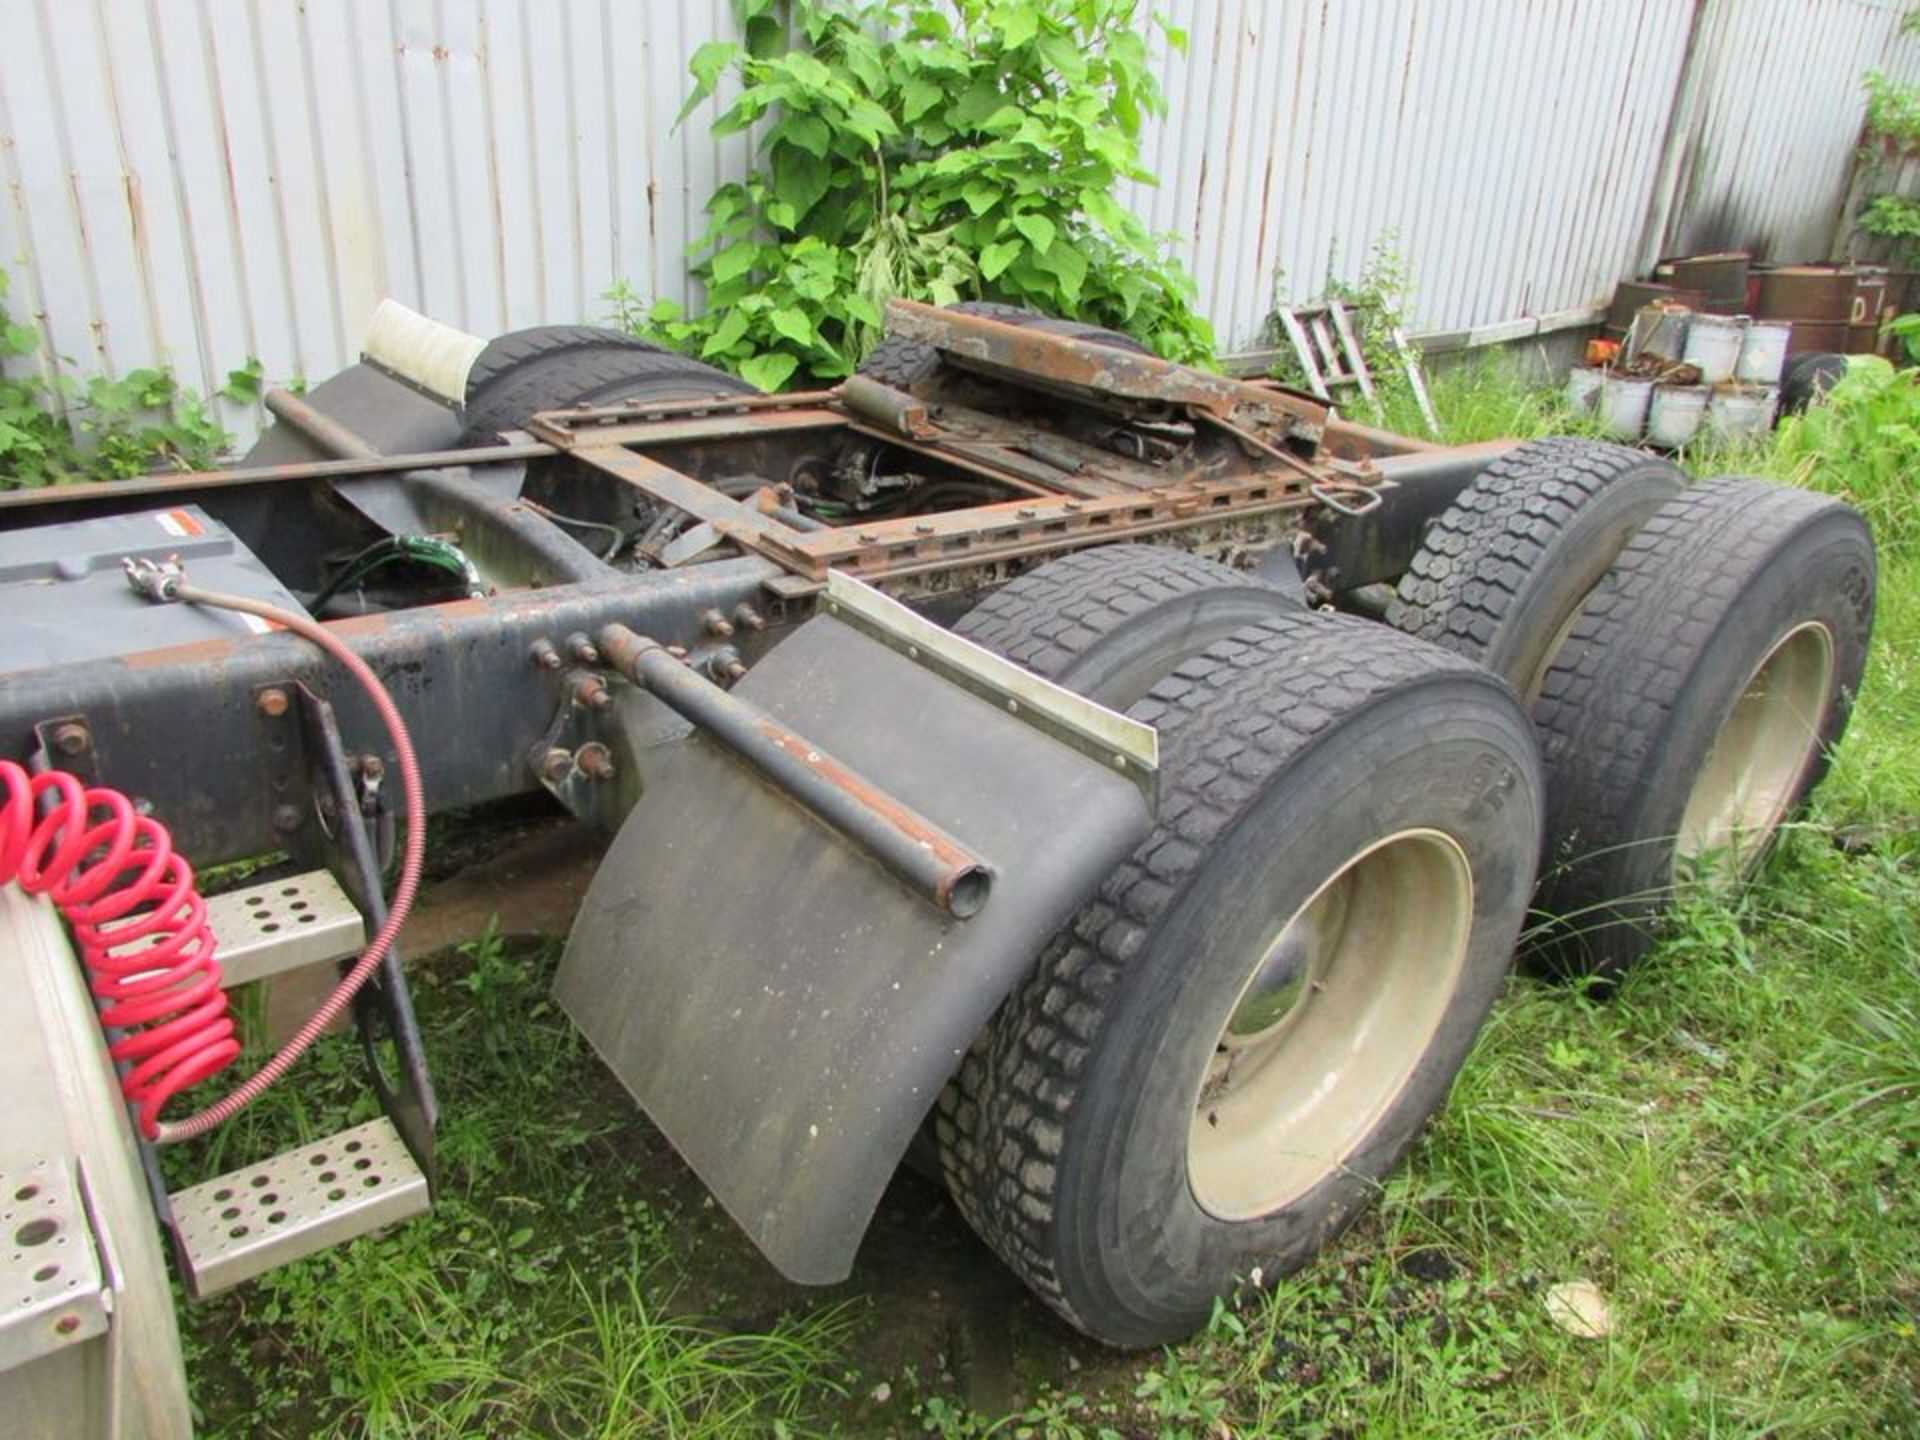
[(783, 1008)]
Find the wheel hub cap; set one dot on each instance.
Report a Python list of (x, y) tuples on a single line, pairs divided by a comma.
[(1330, 1025), (1760, 756)]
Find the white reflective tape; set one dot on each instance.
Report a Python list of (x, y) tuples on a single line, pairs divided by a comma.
[(433, 356)]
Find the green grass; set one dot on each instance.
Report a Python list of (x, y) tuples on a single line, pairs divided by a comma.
[(1729, 1148), (543, 1294)]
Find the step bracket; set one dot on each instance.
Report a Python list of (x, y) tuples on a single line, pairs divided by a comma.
[(52, 1292)]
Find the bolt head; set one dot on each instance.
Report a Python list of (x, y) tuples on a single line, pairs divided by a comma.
[(71, 739), (556, 765), (273, 702), (286, 818)]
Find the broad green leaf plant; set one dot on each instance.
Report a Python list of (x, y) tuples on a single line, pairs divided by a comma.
[(936, 151), (105, 428)]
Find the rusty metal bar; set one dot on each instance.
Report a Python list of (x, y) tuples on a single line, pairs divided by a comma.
[(1040, 357), (928, 860), (743, 524), (338, 440), (710, 417), (1025, 527), (685, 429), (986, 466), (171, 484)]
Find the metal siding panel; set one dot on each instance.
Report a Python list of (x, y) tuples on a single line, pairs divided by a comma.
[(348, 204), (305, 268), (589, 156), (1783, 110), (385, 157), (195, 186), (629, 43), (511, 184), (55, 240), (460, 65), (200, 183), (252, 183), (432, 188)]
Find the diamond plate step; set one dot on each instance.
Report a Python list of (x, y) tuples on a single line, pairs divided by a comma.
[(258, 1218), (284, 924)]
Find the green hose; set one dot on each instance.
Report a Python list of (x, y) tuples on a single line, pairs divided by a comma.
[(422, 549)]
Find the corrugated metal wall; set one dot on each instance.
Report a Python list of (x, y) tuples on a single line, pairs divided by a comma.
[(1505, 147), (1780, 110), (194, 183)]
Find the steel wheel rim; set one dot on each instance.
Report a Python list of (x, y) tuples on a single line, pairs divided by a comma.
[(1759, 755), (1537, 681), (1330, 1025)]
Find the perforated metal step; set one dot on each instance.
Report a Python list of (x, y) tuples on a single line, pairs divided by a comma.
[(51, 1290), (256, 1219), (284, 924)]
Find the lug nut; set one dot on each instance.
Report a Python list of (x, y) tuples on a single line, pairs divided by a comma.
[(595, 761), (555, 765), (272, 702), (716, 624)]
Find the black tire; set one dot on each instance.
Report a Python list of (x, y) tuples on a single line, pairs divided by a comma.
[(553, 367), (1110, 622), (1725, 576), (1065, 1137), (904, 363), (1503, 571), (521, 347), (1808, 376)]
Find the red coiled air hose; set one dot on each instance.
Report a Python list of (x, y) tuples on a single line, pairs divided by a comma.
[(140, 926), (144, 940)]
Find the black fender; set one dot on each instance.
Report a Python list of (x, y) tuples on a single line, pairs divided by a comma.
[(783, 1007)]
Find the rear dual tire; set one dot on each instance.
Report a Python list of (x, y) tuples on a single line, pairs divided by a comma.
[(1693, 708), (1341, 859), (1636, 616)]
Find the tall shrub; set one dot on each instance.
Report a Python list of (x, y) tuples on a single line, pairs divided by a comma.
[(937, 151)]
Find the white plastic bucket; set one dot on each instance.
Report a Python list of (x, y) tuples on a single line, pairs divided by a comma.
[(1583, 388), (1739, 417), (1713, 343), (1763, 353), (1674, 415), (1623, 406)]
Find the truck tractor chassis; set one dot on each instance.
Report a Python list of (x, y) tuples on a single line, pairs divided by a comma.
[(1113, 787)]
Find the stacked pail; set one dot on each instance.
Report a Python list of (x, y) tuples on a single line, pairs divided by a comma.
[(1739, 361)]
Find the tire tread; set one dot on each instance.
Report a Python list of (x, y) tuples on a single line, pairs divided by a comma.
[(1476, 558), (1049, 617), (1229, 720)]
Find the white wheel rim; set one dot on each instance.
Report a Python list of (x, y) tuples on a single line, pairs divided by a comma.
[(1760, 755), (1330, 1025)]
